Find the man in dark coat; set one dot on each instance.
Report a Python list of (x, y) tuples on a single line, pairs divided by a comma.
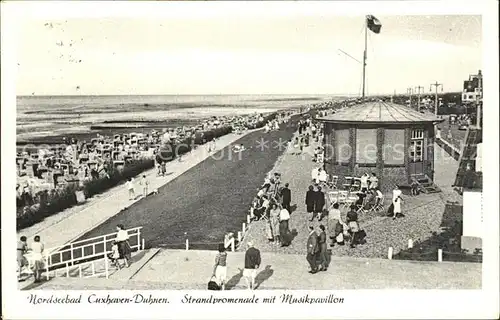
[(319, 203), (310, 195), (312, 249), (286, 197), (322, 253)]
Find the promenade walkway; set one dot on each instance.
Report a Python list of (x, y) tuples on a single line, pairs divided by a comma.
[(295, 170), (72, 223), (178, 269)]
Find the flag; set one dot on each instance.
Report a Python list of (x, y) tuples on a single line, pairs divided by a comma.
[(373, 24)]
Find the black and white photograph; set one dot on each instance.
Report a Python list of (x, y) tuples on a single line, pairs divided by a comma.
[(227, 150)]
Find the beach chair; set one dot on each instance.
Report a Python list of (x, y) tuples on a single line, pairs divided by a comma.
[(347, 184)]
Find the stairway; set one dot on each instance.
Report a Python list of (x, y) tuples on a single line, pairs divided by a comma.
[(464, 177), (425, 184)]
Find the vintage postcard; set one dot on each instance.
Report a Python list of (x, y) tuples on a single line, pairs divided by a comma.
[(249, 160)]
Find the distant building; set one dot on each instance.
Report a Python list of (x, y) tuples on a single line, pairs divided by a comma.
[(391, 140)]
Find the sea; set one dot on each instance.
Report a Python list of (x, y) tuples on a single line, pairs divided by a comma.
[(46, 116)]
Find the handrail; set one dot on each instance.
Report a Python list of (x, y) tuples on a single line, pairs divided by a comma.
[(53, 249), (49, 255)]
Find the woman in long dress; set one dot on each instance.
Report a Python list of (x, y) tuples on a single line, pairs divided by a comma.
[(396, 201), (274, 224), (123, 245)]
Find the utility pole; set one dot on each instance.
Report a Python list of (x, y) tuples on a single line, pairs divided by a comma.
[(436, 85), (418, 92), (479, 99), (409, 91)]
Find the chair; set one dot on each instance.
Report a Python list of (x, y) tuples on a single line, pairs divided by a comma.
[(333, 182), (333, 196), (350, 200), (347, 184), (342, 197), (379, 205), (356, 186)]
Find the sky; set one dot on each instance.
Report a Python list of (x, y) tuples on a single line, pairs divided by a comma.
[(239, 54)]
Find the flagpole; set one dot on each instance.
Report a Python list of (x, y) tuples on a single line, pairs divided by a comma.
[(364, 57)]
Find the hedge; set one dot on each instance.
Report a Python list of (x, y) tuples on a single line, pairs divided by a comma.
[(53, 202)]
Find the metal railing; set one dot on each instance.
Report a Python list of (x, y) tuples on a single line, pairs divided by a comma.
[(88, 251)]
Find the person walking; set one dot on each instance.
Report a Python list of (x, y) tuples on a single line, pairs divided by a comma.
[(131, 188), (284, 227), (310, 195), (323, 257), (145, 186), (37, 248), (22, 249), (286, 197), (396, 201), (252, 263), (274, 224), (123, 244), (220, 268), (319, 203), (312, 249)]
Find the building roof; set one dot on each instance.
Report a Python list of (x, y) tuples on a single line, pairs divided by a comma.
[(379, 112)]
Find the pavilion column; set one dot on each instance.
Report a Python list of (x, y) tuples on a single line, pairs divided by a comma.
[(352, 143), (380, 154), (407, 152)]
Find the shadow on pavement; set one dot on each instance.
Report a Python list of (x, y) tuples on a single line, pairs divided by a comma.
[(234, 280), (263, 276)]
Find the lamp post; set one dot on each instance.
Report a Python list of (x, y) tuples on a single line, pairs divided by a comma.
[(418, 88)]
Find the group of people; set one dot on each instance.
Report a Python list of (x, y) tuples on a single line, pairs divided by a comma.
[(252, 263), (143, 183), (272, 203), (35, 252)]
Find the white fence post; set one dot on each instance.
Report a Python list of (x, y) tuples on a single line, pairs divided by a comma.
[(232, 244), (143, 244), (47, 276), (139, 240), (93, 268), (243, 227), (187, 244), (72, 257), (410, 243), (440, 255), (239, 236), (67, 270), (248, 218), (106, 267), (80, 271), (389, 254)]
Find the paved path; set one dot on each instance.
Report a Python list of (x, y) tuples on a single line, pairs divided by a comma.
[(295, 170), (74, 222), (177, 269)]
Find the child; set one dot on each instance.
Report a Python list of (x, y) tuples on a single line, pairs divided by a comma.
[(145, 186), (114, 255)]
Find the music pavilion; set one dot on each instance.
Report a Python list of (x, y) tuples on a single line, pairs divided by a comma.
[(391, 140)]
